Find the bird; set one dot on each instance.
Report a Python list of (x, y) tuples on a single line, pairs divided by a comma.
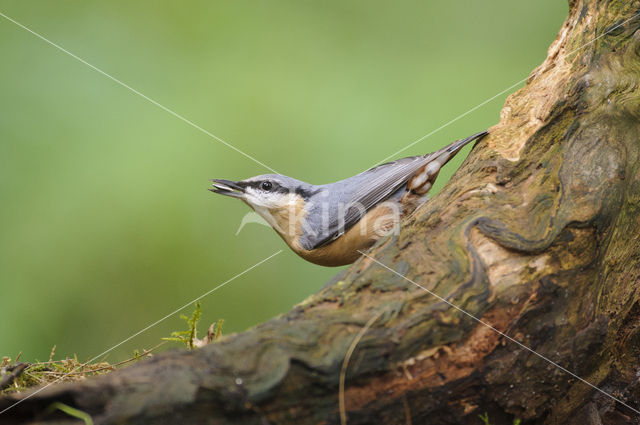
[(331, 224)]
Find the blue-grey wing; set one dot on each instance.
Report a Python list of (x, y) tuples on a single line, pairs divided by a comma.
[(347, 201)]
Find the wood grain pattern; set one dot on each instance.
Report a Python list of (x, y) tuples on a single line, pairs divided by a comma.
[(538, 234)]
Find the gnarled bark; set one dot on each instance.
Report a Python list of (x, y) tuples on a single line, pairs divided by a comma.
[(538, 235)]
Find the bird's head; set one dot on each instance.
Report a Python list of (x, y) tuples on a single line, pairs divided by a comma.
[(279, 199)]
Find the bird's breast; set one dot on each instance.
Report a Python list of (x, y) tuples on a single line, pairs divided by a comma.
[(288, 220), (376, 223)]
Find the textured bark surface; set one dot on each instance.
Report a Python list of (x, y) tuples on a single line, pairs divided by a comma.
[(538, 235)]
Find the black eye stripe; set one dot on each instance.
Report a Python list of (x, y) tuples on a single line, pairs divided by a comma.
[(275, 187), (305, 193)]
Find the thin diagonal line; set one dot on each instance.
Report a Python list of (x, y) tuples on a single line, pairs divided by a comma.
[(464, 114), (447, 124), (128, 87), (143, 330), (482, 322), (345, 364)]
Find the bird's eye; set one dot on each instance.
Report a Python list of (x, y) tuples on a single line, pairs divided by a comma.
[(266, 185)]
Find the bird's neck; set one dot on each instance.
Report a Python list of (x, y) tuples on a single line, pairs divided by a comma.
[(287, 220)]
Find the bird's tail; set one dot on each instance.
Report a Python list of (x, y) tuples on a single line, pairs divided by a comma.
[(454, 147), (421, 181)]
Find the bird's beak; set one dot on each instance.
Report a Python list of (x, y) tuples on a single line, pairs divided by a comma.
[(227, 187)]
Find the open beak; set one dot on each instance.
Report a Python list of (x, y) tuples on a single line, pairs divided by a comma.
[(227, 187)]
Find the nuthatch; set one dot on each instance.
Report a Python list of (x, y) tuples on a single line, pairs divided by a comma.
[(329, 224)]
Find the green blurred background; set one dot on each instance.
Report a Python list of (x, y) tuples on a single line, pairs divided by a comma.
[(105, 221)]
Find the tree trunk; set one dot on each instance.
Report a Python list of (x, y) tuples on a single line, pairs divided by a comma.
[(538, 236)]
